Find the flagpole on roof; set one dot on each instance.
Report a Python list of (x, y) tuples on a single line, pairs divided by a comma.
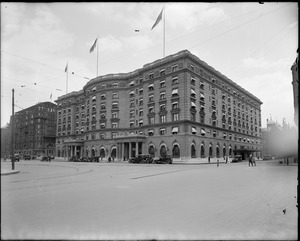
[(164, 40), (97, 55), (66, 70)]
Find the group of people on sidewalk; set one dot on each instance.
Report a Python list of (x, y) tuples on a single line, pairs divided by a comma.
[(252, 160)]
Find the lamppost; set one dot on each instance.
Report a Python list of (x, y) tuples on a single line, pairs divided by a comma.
[(13, 131)]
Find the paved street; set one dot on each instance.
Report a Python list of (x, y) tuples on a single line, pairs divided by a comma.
[(61, 200)]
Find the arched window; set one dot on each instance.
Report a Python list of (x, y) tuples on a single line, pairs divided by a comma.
[(113, 152), (210, 151), (163, 151), (102, 152), (151, 150), (224, 151), (217, 151), (202, 151), (230, 151), (193, 151), (176, 151), (93, 152)]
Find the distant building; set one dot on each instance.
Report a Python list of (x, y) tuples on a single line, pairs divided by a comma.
[(6, 141), (295, 84), (35, 129), (178, 105), (279, 141)]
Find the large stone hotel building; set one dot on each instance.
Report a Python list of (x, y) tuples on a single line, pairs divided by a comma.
[(178, 105)]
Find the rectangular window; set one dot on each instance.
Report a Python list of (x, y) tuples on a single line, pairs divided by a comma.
[(175, 80), (162, 95), (175, 117), (162, 131), (162, 119), (174, 68), (162, 83)]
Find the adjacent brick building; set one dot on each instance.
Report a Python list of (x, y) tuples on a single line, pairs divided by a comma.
[(178, 105), (35, 129)]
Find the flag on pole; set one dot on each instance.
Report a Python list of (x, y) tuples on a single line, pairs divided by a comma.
[(158, 19), (94, 46), (66, 69), (51, 97)]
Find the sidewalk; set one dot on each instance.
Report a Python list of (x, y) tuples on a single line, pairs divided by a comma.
[(213, 160)]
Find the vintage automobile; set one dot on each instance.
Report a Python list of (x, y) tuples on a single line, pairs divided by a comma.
[(46, 159), (141, 159), (74, 159), (268, 158), (237, 158), (163, 160), (27, 157)]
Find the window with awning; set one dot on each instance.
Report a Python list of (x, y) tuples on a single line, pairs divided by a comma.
[(193, 104), (175, 92), (151, 87), (203, 132), (194, 131), (94, 88), (131, 83), (175, 130), (202, 96), (193, 93)]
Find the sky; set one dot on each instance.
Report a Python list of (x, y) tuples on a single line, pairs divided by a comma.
[(252, 44)]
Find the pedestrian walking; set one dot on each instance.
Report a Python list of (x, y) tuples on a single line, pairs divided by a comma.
[(250, 160), (109, 159), (253, 161), (226, 158), (209, 159)]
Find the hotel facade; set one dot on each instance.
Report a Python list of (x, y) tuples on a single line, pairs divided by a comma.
[(178, 105), (35, 129)]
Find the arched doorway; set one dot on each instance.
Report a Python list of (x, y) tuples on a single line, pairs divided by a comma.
[(193, 151), (151, 150), (163, 150), (230, 151), (176, 151), (58, 153)]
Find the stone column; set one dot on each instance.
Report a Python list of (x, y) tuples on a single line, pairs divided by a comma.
[(136, 149), (130, 150), (122, 150)]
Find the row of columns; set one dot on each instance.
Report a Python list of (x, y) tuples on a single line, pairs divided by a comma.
[(125, 150)]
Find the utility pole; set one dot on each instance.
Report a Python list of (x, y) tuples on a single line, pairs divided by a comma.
[(13, 131)]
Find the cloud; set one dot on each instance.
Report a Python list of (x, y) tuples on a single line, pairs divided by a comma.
[(189, 16)]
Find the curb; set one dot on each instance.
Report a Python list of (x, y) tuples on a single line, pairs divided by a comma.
[(9, 172)]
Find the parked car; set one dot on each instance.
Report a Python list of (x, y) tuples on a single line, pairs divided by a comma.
[(141, 159), (27, 157), (268, 158), (237, 158), (46, 159), (95, 159), (163, 160), (74, 159)]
